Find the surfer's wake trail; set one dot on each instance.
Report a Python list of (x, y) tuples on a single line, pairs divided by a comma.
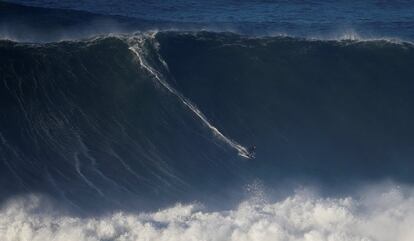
[(138, 49)]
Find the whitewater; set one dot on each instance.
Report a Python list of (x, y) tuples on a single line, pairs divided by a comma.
[(381, 215)]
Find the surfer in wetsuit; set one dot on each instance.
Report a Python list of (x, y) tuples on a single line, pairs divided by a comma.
[(252, 151)]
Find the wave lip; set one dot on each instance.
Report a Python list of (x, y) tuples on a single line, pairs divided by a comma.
[(37, 24)]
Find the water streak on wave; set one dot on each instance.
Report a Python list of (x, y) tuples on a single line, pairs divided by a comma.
[(138, 49)]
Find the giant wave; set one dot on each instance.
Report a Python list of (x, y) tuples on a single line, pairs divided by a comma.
[(146, 120)]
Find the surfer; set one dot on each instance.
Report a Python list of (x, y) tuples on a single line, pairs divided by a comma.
[(252, 151)]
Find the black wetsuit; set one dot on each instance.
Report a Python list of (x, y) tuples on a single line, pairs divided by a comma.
[(252, 151)]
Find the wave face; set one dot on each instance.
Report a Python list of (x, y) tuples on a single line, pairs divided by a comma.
[(84, 122), (145, 120), (334, 110)]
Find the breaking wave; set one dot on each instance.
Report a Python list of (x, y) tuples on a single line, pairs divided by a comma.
[(112, 131)]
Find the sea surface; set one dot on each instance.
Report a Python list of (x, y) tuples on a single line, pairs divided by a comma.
[(135, 120)]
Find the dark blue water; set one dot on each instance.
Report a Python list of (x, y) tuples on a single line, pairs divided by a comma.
[(109, 109), (369, 19), (300, 12)]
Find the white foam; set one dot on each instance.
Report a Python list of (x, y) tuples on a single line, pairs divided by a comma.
[(378, 216)]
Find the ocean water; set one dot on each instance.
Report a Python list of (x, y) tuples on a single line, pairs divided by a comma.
[(310, 18), (135, 120)]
